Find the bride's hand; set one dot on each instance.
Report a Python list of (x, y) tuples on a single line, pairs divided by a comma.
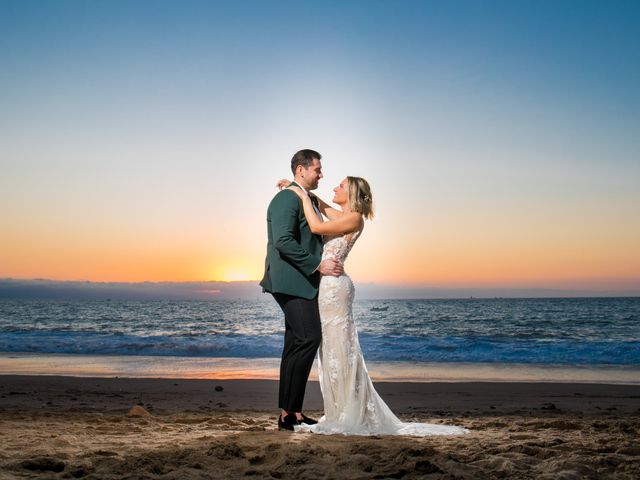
[(283, 183), (298, 191)]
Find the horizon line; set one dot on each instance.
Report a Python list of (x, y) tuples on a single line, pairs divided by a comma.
[(383, 283), (43, 288)]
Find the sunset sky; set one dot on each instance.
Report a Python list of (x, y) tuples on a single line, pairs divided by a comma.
[(142, 140)]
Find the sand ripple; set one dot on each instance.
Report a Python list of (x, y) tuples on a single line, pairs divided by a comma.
[(239, 444)]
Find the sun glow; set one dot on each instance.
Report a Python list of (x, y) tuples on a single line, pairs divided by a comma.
[(236, 272), (237, 275)]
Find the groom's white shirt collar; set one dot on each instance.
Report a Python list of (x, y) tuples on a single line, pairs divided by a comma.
[(314, 207), (301, 187)]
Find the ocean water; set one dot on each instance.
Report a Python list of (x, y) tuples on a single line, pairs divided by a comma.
[(554, 331)]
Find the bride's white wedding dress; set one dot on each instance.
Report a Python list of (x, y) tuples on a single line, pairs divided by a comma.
[(351, 404)]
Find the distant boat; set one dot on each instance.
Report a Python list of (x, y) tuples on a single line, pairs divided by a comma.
[(380, 309)]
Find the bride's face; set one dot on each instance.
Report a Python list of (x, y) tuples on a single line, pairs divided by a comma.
[(341, 193)]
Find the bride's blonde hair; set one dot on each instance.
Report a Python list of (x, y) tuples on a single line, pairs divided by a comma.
[(360, 198)]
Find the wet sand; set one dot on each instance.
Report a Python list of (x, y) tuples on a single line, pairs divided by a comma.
[(73, 427)]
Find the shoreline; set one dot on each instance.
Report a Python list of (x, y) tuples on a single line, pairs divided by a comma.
[(224, 368), (113, 394)]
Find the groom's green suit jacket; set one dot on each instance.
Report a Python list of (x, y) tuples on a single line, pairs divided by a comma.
[(293, 251)]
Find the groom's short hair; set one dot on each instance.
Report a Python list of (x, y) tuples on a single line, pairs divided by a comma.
[(305, 158)]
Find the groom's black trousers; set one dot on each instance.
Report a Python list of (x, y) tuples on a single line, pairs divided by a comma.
[(302, 337)]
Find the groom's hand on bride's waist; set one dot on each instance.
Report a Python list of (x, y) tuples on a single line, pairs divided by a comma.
[(331, 267)]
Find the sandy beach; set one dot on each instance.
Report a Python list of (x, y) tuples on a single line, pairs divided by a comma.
[(74, 427)]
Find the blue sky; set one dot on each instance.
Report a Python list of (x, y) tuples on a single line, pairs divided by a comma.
[(500, 138)]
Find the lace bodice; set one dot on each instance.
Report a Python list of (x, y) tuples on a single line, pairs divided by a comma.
[(338, 247)]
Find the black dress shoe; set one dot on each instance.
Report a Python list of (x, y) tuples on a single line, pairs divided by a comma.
[(307, 420), (287, 422)]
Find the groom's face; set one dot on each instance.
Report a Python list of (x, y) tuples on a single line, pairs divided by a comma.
[(312, 174)]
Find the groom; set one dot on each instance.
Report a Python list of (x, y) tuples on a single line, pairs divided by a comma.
[(292, 275)]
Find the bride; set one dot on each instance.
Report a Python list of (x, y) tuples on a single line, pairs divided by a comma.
[(351, 404)]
